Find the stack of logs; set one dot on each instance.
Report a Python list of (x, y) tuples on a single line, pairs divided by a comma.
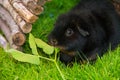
[(16, 18)]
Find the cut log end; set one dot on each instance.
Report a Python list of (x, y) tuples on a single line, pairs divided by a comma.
[(35, 8), (25, 27), (38, 10), (18, 39), (32, 19), (41, 2)]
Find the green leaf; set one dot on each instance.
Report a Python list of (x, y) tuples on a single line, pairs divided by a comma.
[(32, 44), (46, 48), (20, 56), (56, 50)]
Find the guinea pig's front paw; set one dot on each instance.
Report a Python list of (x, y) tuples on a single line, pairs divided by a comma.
[(65, 58)]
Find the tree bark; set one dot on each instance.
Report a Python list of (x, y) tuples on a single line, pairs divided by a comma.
[(5, 29), (13, 27), (3, 42)]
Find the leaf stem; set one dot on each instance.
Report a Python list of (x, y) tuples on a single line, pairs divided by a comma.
[(59, 71), (54, 60), (46, 58), (56, 51)]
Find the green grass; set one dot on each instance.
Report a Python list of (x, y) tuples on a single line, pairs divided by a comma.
[(106, 68)]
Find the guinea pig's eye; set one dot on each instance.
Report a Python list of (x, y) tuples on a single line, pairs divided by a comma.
[(69, 32)]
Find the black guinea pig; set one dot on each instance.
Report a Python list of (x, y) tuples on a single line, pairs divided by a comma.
[(86, 31)]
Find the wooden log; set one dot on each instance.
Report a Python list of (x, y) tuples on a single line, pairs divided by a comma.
[(5, 29), (20, 38), (24, 26), (41, 2), (33, 6), (23, 11), (3, 42)]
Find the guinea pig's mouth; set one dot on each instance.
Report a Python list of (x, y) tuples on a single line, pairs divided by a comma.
[(66, 51)]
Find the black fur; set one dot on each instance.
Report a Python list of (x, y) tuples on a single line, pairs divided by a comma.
[(86, 31)]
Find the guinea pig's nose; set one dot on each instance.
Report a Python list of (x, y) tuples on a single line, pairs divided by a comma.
[(53, 42)]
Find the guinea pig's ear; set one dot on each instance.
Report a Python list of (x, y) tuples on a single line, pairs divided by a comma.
[(83, 32)]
